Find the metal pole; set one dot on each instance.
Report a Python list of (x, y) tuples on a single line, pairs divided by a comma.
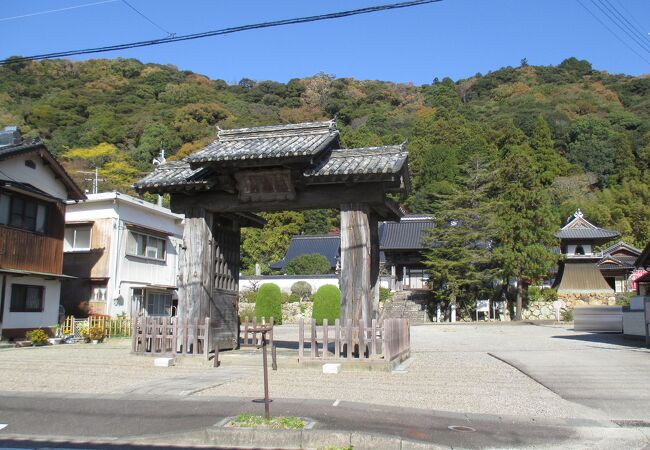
[(266, 378)]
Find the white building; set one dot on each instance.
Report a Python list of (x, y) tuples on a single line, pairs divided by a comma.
[(124, 252)]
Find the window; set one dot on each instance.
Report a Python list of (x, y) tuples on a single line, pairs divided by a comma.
[(20, 211), (159, 304), (145, 246), (26, 298), (77, 238), (580, 250)]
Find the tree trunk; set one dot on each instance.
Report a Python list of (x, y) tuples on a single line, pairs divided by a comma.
[(520, 299)]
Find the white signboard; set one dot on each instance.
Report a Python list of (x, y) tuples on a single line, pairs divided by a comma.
[(483, 306)]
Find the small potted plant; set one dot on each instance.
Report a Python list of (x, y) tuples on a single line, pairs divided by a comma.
[(96, 334)]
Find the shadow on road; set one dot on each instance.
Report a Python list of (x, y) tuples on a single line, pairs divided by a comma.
[(603, 338), (87, 445)]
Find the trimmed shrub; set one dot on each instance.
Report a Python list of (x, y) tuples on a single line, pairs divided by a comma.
[(327, 304), (294, 298), (309, 264), (285, 297), (302, 289), (268, 303)]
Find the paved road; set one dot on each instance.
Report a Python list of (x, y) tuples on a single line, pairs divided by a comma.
[(607, 374), (80, 420)]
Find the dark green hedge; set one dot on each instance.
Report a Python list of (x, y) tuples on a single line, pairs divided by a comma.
[(327, 304), (268, 303)]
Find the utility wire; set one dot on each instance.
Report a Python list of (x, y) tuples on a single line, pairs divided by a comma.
[(619, 23), (643, 38), (169, 34), (256, 26), (640, 29), (599, 21), (40, 13)]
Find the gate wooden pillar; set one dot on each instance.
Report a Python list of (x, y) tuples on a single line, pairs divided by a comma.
[(359, 263), (195, 271), (209, 275)]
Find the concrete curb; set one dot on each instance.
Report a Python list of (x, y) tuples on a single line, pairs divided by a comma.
[(310, 439)]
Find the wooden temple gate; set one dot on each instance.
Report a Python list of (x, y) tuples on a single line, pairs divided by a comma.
[(275, 168)]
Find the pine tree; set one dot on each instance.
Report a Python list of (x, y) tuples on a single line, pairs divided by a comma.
[(550, 164), (460, 256), (525, 222)]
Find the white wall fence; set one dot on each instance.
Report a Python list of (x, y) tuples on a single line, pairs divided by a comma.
[(247, 283), (286, 281)]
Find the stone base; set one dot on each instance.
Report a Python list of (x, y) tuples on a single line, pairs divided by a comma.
[(573, 300), (539, 311)]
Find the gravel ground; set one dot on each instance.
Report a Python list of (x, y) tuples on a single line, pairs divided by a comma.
[(451, 369), (81, 368)]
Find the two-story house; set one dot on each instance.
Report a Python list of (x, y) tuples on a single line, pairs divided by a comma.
[(34, 189), (124, 253)]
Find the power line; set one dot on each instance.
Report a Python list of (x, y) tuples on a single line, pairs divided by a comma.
[(603, 24), (256, 26), (620, 24), (632, 17), (169, 34), (49, 11), (635, 31)]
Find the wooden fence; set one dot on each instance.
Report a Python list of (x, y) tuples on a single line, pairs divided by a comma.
[(251, 338), (113, 327), (170, 336), (382, 341)]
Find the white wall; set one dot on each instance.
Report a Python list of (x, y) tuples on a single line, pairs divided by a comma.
[(127, 271), (50, 314), (42, 177), (285, 282)]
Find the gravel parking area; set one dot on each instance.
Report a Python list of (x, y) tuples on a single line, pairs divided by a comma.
[(450, 370), (105, 368), (453, 368)]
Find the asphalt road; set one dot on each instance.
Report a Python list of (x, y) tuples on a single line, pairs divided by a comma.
[(609, 374), (69, 421)]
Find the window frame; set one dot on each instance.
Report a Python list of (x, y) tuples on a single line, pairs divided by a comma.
[(24, 309), (150, 297), (75, 227), (147, 237), (26, 202)]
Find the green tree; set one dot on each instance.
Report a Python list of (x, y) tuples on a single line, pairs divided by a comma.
[(525, 223), (308, 264), (459, 255), (270, 243), (596, 146), (550, 163)]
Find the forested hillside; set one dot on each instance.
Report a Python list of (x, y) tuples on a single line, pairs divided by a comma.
[(583, 134)]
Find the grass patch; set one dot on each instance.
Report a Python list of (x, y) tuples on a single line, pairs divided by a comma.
[(275, 423)]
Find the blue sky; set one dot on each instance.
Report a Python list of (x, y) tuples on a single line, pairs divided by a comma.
[(455, 38)]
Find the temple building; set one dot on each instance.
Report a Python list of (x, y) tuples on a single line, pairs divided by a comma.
[(617, 265), (579, 274)]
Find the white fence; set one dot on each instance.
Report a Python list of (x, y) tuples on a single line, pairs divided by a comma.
[(286, 281)]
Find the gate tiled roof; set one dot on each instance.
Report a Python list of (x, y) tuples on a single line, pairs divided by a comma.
[(268, 142)]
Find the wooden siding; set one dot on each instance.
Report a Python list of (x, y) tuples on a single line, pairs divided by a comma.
[(26, 250), (95, 263)]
